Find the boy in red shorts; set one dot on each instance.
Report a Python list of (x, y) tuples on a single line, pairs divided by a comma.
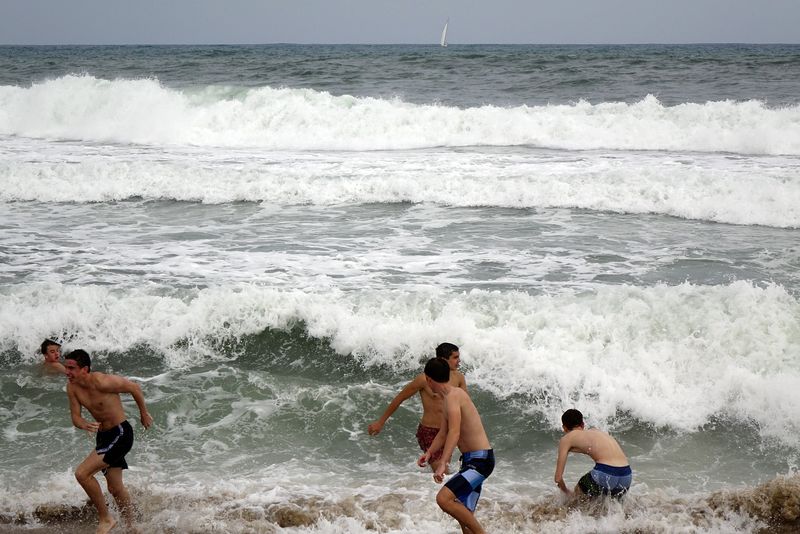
[(431, 402)]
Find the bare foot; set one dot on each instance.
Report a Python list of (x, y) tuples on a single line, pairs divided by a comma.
[(105, 526)]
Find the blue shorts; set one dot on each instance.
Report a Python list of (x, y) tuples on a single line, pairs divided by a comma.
[(476, 466), (606, 480)]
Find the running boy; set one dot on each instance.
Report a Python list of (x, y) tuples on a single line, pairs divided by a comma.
[(99, 394)]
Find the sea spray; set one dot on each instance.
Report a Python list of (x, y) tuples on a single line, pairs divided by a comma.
[(674, 356), (769, 507), (145, 112), (713, 187)]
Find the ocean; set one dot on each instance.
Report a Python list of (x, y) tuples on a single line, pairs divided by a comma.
[(271, 240)]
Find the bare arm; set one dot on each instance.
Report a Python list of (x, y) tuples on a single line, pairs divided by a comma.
[(118, 384), (451, 434), (406, 393), (561, 463), (75, 412)]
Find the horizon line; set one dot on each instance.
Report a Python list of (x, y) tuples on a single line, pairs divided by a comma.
[(288, 43)]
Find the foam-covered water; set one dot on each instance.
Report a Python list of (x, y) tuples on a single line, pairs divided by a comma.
[(737, 189), (145, 112), (271, 240)]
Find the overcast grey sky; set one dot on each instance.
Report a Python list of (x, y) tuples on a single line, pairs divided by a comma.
[(397, 21)]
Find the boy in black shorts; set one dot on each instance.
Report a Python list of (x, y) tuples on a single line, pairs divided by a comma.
[(99, 394)]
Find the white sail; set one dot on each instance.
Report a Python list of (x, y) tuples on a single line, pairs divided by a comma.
[(443, 42)]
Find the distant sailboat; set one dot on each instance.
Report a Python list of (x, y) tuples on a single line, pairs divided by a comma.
[(443, 42)]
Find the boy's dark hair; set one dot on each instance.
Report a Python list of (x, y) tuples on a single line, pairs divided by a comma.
[(81, 357), (46, 343), (444, 350), (572, 418), (437, 370)]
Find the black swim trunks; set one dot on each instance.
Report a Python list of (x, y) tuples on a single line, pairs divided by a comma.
[(113, 444)]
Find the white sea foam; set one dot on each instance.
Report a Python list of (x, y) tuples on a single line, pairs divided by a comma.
[(406, 506), (741, 190), (143, 111), (672, 356)]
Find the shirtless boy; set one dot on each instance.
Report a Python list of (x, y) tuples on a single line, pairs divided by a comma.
[(99, 394), (461, 426), (52, 357), (611, 474), (431, 402)]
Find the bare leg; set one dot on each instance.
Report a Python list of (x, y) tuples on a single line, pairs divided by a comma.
[(577, 496), (120, 494), (447, 501), (85, 476)]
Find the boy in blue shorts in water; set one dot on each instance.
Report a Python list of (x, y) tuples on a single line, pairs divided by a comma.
[(461, 425), (611, 474)]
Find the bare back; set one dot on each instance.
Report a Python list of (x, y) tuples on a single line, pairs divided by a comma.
[(105, 406), (432, 403), (598, 445), (472, 436), (53, 368)]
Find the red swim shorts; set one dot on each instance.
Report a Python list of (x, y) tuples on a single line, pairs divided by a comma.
[(425, 437)]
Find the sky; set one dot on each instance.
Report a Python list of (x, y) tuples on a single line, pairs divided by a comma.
[(26, 22)]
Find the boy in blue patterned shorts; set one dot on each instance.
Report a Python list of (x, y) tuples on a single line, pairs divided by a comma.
[(461, 425), (611, 474)]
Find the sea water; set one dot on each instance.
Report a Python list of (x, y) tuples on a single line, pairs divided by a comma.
[(271, 240)]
